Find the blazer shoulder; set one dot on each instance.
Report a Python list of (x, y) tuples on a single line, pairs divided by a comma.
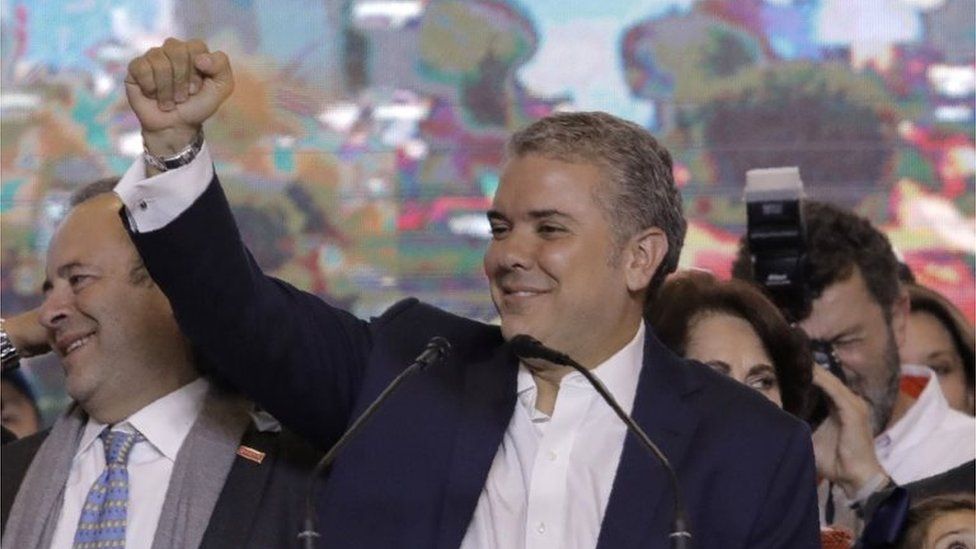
[(396, 310), (411, 320), (412, 309)]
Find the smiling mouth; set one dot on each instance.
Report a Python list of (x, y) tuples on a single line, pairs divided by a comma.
[(523, 293), (78, 343)]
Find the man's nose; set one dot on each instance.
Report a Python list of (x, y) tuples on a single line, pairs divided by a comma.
[(517, 251), (56, 307)]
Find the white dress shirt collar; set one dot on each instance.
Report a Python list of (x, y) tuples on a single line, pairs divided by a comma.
[(926, 412), (619, 374), (164, 422), (930, 438)]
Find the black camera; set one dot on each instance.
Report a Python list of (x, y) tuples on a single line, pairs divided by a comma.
[(776, 234)]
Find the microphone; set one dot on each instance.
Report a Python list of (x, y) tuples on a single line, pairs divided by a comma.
[(527, 347), (437, 349)]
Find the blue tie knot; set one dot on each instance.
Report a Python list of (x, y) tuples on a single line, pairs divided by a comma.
[(117, 445)]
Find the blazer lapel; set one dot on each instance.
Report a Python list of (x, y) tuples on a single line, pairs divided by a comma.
[(642, 496), (239, 502), (485, 410)]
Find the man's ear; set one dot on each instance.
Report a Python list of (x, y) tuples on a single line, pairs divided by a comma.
[(900, 310), (643, 256)]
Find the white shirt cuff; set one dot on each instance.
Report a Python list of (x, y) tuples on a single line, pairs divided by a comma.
[(153, 203)]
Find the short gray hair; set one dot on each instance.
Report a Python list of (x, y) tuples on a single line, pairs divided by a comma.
[(643, 193), (91, 190)]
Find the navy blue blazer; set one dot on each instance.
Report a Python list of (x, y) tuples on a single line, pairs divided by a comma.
[(413, 477)]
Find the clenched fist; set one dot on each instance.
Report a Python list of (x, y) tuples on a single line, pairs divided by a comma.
[(173, 89)]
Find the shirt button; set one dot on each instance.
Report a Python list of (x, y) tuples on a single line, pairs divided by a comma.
[(552, 455), (541, 528), (143, 205)]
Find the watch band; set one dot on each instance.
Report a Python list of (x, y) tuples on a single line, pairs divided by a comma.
[(9, 357), (182, 158)]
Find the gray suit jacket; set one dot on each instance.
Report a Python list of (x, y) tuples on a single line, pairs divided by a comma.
[(260, 506)]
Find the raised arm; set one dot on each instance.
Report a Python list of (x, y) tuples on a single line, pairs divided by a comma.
[(173, 89), (289, 351)]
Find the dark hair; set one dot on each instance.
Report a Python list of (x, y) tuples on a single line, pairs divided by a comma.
[(643, 193), (18, 381), (686, 295), (923, 514), (837, 242), (926, 300), (905, 273)]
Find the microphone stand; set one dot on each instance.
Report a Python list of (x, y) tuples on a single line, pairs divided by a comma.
[(437, 348), (527, 347)]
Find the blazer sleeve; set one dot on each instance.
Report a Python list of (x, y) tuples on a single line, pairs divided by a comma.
[(788, 518), (300, 358)]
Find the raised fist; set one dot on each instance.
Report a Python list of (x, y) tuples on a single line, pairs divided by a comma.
[(174, 88)]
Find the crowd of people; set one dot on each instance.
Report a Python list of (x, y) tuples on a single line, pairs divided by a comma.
[(204, 391)]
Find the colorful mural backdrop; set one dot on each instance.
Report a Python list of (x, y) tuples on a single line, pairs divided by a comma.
[(361, 147)]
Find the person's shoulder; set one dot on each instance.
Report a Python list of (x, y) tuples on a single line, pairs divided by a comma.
[(412, 309), (413, 320)]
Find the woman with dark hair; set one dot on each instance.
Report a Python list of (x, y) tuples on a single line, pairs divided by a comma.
[(733, 328), (940, 337)]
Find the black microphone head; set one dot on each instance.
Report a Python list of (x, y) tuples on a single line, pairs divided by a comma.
[(441, 344), (437, 349), (525, 347)]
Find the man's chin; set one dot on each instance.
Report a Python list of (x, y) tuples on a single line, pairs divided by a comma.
[(79, 390)]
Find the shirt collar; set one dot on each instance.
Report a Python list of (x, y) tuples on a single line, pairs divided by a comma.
[(619, 373), (164, 422), (926, 412)]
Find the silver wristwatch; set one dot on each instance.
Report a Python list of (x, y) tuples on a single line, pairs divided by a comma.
[(9, 357), (182, 158)]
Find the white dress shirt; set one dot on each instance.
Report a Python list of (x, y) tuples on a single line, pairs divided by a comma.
[(550, 482), (930, 438), (164, 423)]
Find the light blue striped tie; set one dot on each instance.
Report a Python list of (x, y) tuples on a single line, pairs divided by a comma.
[(103, 518)]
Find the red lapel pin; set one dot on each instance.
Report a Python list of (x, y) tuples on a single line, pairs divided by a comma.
[(247, 452)]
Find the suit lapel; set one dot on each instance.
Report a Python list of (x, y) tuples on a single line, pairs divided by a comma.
[(237, 508), (641, 496), (485, 410)]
